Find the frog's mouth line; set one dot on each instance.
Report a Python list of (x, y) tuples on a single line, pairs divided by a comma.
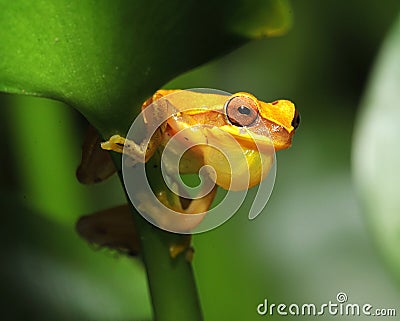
[(248, 138), (245, 137)]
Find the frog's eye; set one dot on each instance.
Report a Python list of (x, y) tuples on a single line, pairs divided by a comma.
[(296, 119), (241, 111)]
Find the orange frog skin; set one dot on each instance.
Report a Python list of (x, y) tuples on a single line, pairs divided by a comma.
[(258, 129), (256, 125)]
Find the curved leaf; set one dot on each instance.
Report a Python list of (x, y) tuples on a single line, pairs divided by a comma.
[(376, 155), (106, 57)]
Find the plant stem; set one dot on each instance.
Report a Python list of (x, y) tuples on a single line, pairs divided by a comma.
[(171, 280)]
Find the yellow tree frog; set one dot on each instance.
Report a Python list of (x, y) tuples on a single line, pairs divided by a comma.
[(252, 123)]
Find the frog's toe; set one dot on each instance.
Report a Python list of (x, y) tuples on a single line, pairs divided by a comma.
[(115, 143), (183, 247)]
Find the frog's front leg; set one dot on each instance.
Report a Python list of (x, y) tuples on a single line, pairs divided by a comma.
[(143, 151), (139, 153), (126, 146)]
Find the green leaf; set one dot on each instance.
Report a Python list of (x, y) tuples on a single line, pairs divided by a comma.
[(106, 57), (376, 153)]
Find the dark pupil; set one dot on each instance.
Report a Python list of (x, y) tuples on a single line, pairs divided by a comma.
[(244, 110)]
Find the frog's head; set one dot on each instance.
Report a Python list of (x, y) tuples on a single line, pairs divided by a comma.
[(276, 121), (260, 128)]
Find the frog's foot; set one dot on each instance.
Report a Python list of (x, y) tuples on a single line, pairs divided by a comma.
[(115, 143), (126, 146), (182, 247)]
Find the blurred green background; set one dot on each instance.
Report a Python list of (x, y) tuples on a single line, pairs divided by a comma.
[(313, 240)]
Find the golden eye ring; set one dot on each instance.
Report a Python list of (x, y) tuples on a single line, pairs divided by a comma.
[(241, 111)]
